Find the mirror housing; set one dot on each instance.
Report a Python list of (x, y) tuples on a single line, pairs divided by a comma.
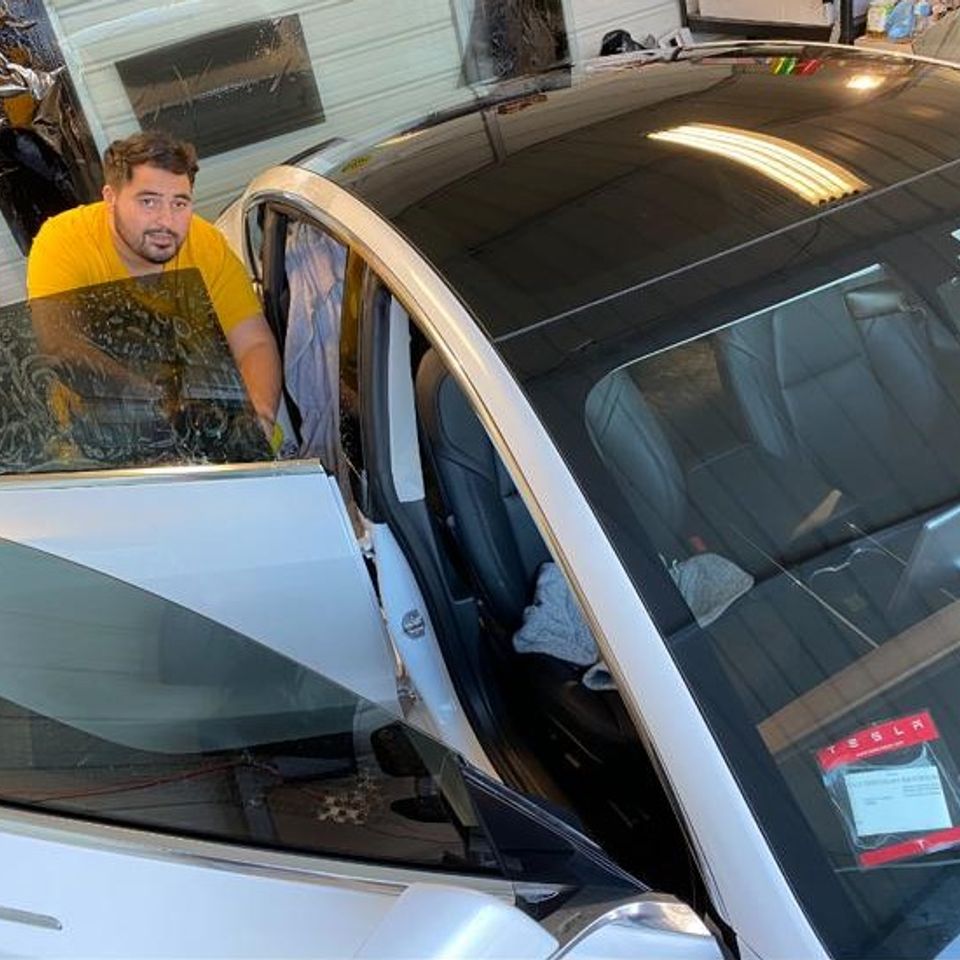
[(443, 922), (440, 922), (649, 927)]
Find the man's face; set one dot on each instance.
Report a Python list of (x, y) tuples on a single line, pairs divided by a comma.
[(150, 215)]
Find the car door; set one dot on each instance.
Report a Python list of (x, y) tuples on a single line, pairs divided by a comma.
[(171, 787), (148, 806), (163, 481)]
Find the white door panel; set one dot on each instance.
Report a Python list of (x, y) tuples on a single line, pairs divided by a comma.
[(419, 650), (272, 556), (119, 904)]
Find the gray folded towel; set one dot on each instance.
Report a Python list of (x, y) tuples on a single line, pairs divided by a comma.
[(553, 624)]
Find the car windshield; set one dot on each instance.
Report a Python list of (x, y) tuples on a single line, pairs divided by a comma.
[(126, 374), (772, 438)]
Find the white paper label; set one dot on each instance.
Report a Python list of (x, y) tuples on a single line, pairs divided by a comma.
[(897, 800)]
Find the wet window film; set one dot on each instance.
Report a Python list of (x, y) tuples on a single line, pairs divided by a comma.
[(125, 374), (502, 39)]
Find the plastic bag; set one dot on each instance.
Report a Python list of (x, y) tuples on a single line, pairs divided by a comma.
[(900, 21), (895, 787)]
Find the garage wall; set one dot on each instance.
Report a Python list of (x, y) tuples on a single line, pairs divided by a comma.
[(376, 62), (589, 20), (372, 59), (12, 267)]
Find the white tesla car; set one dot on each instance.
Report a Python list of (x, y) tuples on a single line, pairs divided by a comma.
[(603, 600)]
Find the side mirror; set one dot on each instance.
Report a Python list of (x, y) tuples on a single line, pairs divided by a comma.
[(440, 922), (650, 927)]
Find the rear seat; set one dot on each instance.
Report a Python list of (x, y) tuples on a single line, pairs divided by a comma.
[(749, 505), (850, 397), (776, 641), (861, 381)]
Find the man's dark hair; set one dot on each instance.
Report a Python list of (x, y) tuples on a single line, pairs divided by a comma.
[(153, 148)]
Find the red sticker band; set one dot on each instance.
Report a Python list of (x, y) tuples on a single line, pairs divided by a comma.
[(931, 843), (879, 739)]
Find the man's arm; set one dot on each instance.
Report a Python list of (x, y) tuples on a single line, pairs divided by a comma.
[(56, 327), (255, 353)]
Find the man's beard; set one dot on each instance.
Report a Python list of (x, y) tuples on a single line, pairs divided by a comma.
[(140, 245)]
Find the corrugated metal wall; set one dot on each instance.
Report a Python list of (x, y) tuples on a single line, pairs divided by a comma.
[(376, 62), (589, 20)]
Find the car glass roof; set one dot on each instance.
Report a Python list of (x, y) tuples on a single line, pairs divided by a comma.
[(536, 206)]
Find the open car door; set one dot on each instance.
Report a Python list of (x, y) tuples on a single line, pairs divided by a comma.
[(172, 787), (130, 446)]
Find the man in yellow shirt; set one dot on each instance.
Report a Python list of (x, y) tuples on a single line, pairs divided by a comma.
[(145, 225)]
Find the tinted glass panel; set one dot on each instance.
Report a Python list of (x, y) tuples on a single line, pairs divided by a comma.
[(534, 206), (773, 441), (120, 706), (127, 374)]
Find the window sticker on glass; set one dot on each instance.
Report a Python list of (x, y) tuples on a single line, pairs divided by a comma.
[(898, 800), (895, 787)]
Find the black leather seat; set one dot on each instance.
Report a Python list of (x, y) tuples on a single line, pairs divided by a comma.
[(776, 641), (484, 510), (861, 379), (744, 503), (504, 551)]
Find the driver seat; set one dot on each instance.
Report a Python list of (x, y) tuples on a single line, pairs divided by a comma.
[(503, 549)]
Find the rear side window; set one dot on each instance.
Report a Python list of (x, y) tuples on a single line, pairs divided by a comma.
[(129, 374)]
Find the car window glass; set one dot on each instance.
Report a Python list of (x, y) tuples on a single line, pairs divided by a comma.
[(778, 462), (120, 706), (127, 374)]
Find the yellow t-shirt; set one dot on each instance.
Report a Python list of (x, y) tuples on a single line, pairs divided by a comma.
[(75, 249)]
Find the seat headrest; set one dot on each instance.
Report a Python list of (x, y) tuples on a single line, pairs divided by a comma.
[(876, 300)]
